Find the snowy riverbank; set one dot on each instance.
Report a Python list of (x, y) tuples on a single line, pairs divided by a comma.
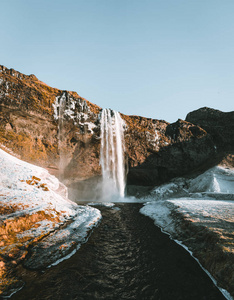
[(199, 221), (35, 214)]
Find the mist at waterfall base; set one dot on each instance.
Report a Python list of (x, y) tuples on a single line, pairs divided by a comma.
[(110, 187)]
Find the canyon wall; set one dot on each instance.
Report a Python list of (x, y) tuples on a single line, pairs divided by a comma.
[(60, 130)]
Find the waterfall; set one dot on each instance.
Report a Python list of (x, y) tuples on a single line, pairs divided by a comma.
[(112, 153), (61, 109)]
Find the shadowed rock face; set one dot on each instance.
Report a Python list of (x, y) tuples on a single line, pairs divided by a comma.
[(220, 125), (155, 151), (182, 148)]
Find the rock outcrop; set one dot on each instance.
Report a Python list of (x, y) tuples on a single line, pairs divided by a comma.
[(220, 125), (34, 127), (181, 147), (61, 131)]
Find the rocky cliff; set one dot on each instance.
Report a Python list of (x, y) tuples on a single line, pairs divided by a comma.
[(220, 125), (61, 131)]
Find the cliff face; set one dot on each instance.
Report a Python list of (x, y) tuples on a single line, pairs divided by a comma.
[(30, 124), (61, 130), (219, 124), (180, 148)]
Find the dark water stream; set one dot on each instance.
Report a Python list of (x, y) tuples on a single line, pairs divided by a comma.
[(126, 257)]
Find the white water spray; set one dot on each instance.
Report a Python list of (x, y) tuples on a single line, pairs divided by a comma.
[(112, 153), (61, 109)]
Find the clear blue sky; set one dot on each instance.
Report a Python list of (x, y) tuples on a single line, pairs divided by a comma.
[(156, 58)]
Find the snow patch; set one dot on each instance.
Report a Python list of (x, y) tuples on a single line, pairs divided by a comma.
[(177, 187), (31, 189), (206, 211), (74, 109), (195, 200), (62, 244), (15, 190), (153, 138), (159, 211), (217, 182), (198, 210)]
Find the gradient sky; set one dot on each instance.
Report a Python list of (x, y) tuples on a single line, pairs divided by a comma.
[(155, 58)]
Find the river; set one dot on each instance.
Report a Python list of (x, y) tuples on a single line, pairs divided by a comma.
[(126, 257)]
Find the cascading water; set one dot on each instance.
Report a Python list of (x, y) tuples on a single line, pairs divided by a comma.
[(112, 154), (61, 109)]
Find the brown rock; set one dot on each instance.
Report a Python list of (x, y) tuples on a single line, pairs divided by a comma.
[(156, 151)]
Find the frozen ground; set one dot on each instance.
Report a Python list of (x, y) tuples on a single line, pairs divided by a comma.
[(217, 183), (33, 204), (197, 213)]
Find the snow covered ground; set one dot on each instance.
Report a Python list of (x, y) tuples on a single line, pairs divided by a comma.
[(199, 212), (203, 200), (33, 204)]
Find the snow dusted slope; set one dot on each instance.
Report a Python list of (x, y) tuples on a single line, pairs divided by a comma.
[(33, 205), (197, 214), (217, 180), (31, 187)]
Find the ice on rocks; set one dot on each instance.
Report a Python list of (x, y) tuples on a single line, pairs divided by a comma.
[(159, 211), (215, 180), (57, 246), (73, 109), (176, 188), (13, 175), (198, 205), (29, 196)]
